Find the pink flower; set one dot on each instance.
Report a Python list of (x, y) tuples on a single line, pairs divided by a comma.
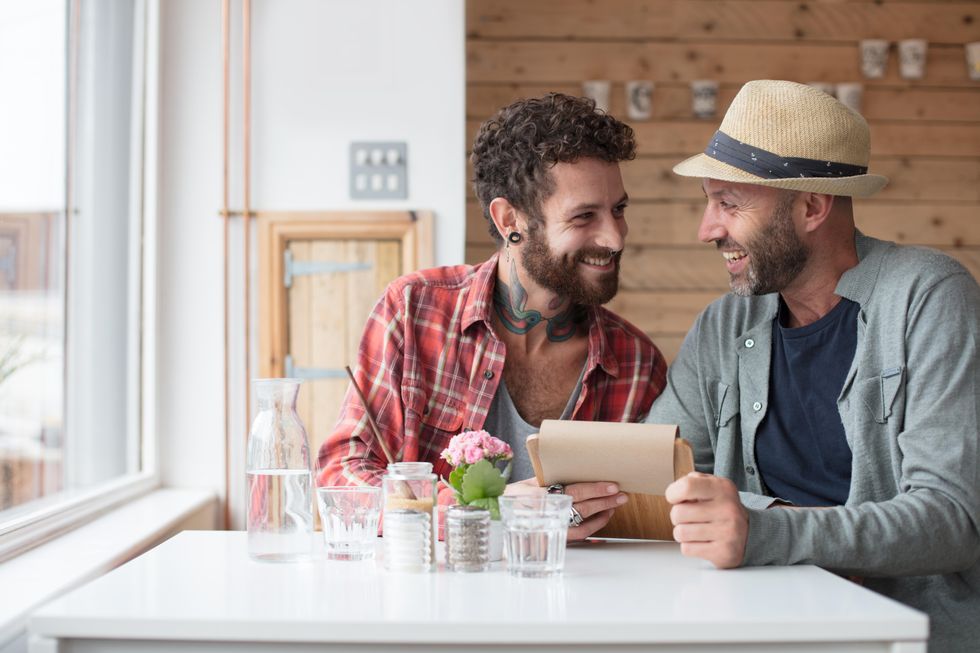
[(470, 447), (473, 454)]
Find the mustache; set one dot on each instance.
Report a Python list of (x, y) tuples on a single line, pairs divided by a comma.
[(728, 243), (598, 252)]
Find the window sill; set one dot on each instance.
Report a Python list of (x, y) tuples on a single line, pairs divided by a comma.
[(51, 569)]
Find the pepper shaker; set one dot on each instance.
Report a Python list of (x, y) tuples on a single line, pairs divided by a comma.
[(467, 538)]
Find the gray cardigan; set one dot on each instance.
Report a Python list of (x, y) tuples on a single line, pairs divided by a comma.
[(910, 407)]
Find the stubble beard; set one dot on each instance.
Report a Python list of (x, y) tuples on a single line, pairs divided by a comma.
[(776, 256)]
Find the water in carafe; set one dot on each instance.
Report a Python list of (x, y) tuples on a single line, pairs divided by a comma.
[(279, 477)]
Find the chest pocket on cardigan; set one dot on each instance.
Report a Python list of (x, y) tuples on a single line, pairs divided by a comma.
[(878, 393), (724, 400)]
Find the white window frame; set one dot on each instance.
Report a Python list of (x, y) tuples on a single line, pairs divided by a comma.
[(42, 520)]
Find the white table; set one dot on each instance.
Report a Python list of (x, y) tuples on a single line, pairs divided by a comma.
[(200, 592)]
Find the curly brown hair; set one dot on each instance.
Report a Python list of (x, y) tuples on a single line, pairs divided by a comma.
[(515, 149)]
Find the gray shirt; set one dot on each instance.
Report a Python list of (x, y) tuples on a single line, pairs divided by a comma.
[(504, 422), (909, 405)]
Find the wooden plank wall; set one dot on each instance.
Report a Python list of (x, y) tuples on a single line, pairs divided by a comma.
[(925, 133)]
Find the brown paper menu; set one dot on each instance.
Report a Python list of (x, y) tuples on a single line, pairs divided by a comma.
[(642, 458)]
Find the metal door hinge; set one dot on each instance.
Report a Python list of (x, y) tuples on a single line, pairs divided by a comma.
[(293, 372), (293, 268)]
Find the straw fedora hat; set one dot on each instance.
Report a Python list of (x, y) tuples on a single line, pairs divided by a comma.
[(789, 135)]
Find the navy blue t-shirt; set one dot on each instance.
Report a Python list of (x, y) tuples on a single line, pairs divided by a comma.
[(800, 446)]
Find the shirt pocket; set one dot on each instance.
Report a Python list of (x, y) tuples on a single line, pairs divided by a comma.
[(434, 418), (438, 412), (724, 399), (443, 417), (877, 394)]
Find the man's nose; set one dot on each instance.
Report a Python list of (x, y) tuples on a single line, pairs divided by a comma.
[(711, 228), (612, 233)]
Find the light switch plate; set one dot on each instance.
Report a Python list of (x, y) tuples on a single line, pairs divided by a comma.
[(378, 170)]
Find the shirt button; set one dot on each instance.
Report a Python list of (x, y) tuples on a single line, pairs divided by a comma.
[(750, 470), (749, 344), (757, 406), (487, 374)]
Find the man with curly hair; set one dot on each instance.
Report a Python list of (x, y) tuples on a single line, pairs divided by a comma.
[(523, 336)]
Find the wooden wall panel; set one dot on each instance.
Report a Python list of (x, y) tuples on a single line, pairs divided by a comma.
[(735, 62), (925, 133), (672, 100), (736, 20)]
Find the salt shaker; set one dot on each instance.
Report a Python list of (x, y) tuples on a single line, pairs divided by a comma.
[(467, 538), (410, 487), (407, 541)]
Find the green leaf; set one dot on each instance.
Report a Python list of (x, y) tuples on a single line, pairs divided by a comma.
[(482, 480), (456, 478), (491, 504)]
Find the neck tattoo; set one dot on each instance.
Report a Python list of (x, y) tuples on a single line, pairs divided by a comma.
[(510, 304)]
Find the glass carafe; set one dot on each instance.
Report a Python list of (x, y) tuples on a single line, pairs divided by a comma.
[(280, 477)]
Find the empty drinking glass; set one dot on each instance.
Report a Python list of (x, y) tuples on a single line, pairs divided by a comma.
[(535, 529), (349, 515)]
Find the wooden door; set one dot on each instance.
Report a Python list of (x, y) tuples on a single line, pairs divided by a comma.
[(320, 276)]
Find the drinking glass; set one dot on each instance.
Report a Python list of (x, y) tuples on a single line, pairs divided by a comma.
[(349, 515), (535, 530)]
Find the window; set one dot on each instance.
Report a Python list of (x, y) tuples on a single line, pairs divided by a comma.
[(72, 238)]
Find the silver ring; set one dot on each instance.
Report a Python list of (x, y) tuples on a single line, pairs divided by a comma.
[(574, 517), (556, 488)]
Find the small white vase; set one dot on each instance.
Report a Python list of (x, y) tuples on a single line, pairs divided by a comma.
[(496, 544)]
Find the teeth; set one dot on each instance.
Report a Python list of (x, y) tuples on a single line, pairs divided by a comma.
[(597, 261), (734, 256)]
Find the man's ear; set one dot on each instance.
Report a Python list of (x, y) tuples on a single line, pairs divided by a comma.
[(504, 216), (818, 208)]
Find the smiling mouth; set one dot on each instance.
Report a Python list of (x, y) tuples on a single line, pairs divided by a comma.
[(598, 262), (732, 257)]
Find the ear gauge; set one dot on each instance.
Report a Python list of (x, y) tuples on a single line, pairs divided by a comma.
[(514, 237)]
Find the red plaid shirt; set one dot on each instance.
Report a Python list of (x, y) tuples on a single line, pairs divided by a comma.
[(429, 365)]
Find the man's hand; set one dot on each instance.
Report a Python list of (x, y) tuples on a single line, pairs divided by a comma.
[(596, 502), (709, 519)]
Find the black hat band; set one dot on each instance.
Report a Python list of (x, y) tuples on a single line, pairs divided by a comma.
[(767, 165)]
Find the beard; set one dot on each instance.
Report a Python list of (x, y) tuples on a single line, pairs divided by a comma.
[(776, 255), (560, 273)]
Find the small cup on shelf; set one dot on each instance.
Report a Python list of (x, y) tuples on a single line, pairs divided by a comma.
[(912, 58), (639, 99), (973, 60), (704, 98), (850, 94), (874, 57), (598, 91)]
